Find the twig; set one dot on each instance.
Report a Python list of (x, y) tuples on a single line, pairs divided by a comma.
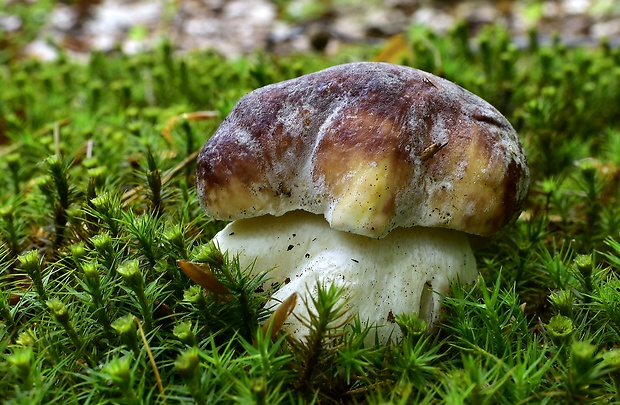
[(168, 175), (57, 138), (160, 386)]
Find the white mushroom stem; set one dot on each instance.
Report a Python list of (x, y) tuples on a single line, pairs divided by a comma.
[(403, 272)]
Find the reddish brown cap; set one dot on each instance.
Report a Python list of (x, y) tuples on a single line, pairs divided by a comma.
[(372, 147)]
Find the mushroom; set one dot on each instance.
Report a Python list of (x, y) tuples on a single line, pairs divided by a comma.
[(370, 175)]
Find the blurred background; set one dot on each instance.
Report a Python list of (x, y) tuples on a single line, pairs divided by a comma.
[(39, 28)]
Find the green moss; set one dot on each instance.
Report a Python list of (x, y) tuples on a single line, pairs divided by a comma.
[(97, 205)]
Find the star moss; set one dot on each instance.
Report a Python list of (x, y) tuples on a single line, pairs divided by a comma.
[(98, 203)]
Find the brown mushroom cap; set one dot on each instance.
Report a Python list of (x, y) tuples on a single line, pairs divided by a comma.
[(372, 147)]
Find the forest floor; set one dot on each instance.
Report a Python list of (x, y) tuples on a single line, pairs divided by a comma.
[(238, 27)]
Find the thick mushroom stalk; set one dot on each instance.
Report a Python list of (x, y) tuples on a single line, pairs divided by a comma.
[(404, 272)]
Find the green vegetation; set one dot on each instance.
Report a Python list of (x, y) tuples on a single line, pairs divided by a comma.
[(97, 205)]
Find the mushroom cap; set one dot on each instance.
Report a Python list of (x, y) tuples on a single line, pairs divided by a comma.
[(372, 147)]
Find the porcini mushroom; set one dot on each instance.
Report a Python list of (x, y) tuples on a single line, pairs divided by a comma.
[(370, 175)]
